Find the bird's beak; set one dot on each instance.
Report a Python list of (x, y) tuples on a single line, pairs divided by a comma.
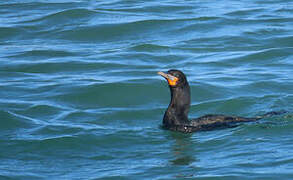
[(172, 80)]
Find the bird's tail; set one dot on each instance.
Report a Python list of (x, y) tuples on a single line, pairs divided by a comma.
[(272, 113)]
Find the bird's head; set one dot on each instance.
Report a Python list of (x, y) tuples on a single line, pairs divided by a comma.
[(175, 78)]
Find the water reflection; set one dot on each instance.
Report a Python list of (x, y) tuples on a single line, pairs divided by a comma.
[(182, 149)]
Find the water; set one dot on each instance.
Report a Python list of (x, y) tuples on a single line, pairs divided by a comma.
[(80, 97)]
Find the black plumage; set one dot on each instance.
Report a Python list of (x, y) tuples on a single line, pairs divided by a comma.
[(176, 115)]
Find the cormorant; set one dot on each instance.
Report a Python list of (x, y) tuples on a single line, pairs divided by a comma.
[(176, 115)]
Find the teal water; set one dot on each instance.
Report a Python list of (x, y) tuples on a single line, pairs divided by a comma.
[(80, 97)]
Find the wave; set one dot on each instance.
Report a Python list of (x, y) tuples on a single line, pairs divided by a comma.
[(115, 94), (41, 53), (63, 16), (122, 30)]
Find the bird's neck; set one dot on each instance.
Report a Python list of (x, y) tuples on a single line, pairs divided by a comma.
[(177, 112)]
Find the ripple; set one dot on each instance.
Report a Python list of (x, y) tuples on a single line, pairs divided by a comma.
[(55, 67), (8, 33), (44, 112), (149, 48), (64, 16), (37, 54), (246, 12), (109, 94), (12, 121), (130, 30)]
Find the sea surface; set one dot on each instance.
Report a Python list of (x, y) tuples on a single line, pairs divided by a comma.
[(80, 97)]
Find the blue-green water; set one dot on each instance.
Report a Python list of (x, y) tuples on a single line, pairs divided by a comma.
[(80, 97)]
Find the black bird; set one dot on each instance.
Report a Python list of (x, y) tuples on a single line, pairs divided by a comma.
[(176, 115)]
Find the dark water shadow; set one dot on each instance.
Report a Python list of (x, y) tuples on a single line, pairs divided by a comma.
[(182, 149)]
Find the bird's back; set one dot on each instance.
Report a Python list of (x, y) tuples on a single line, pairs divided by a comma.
[(214, 121)]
